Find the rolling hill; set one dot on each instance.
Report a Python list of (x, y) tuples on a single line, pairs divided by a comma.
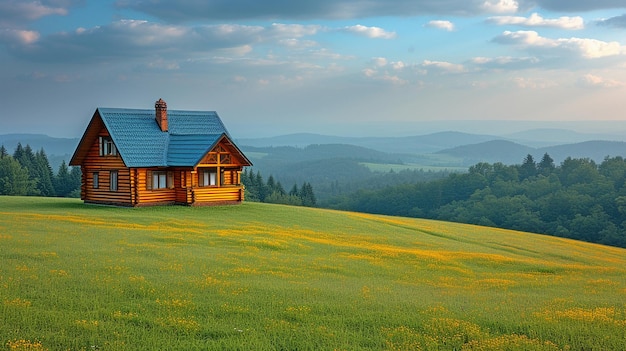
[(418, 144), (509, 152), (52, 145), (267, 277), (491, 151)]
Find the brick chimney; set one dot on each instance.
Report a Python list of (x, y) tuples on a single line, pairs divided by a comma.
[(161, 114)]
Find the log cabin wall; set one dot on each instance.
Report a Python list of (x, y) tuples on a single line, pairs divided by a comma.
[(99, 190), (182, 186), (119, 176), (146, 194), (215, 194)]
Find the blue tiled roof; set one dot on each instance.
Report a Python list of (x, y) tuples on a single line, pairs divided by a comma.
[(141, 143), (189, 149)]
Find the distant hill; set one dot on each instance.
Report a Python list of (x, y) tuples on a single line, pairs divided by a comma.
[(319, 152), (552, 136), (419, 144), (509, 152), (596, 150), (492, 151), (52, 145), (57, 149), (440, 149)]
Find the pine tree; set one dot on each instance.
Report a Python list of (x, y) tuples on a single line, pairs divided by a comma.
[(294, 191), (3, 152), (43, 173), (271, 184), (14, 179), (76, 177), (307, 195), (251, 189), (546, 166), (261, 187), (26, 158), (279, 189), (528, 168)]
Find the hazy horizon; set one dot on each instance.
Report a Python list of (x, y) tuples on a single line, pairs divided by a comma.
[(401, 129), (339, 67)]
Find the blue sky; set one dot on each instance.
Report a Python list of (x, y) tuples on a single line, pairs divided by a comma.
[(342, 67)]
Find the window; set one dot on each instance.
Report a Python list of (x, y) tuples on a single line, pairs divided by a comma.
[(159, 180), (107, 148), (208, 177), (113, 181), (96, 180)]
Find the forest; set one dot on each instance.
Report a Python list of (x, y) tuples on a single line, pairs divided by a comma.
[(577, 199), (29, 173), (272, 191)]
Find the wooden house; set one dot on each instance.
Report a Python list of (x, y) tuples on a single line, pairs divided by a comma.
[(136, 157)]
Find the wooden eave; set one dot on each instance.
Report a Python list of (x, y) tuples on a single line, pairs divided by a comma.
[(232, 148), (96, 124), (86, 141)]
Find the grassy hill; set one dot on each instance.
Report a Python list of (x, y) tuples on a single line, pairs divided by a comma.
[(270, 277)]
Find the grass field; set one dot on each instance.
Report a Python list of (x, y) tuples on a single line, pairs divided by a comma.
[(270, 277)]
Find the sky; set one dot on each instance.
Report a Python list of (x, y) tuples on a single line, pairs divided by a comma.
[(338, 67)]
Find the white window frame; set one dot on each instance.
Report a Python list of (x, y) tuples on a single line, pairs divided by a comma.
[(107, 147)]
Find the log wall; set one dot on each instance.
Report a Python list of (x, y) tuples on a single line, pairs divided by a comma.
[(104, 165), (134, 185)]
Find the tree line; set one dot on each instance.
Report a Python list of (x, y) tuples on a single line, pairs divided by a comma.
[(272, 191), (29, 173), (577, 199)]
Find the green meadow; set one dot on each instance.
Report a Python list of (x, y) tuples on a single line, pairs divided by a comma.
[(271, 277)]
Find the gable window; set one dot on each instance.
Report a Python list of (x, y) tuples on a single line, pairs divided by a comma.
[(107, 147), (160, 180), (96, 180), (208, 177), (113, 181)]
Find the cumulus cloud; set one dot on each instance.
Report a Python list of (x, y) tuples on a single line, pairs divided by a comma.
[(398, 65), (576, 5), (586, 48), (618, 21), (294, 30), (500, 6), (16, 37), (535, 20), (379, 61), (383, 76), (139, 38), (504, 62), (593, 81), (370, 72), (440, 24), (297, 43), (443, 66), (192, 10), (370, 32), (15, 12)]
